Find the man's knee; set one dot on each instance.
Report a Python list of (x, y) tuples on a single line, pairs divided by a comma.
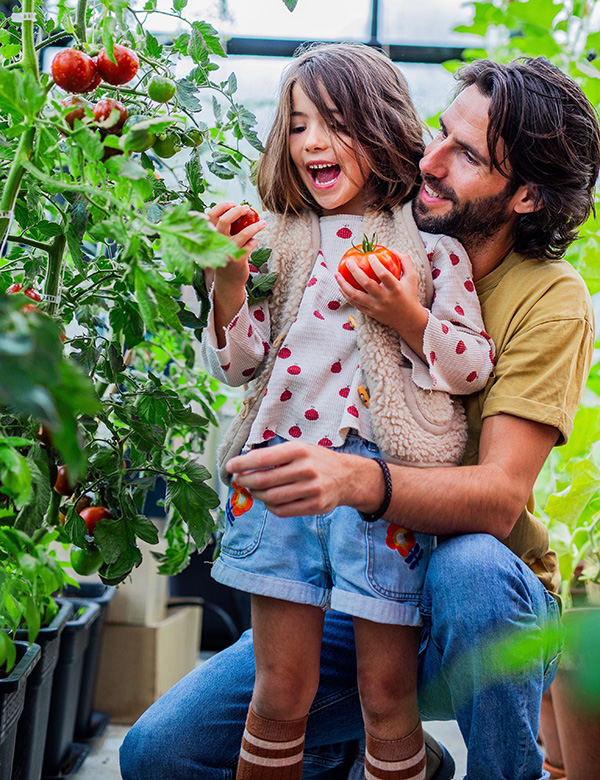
[(138, 751)]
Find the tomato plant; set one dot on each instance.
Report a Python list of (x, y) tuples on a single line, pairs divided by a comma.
[(362, 255), (111, 234)]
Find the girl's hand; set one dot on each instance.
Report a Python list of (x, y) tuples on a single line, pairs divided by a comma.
[(393, 302), (222, 216), (229, 281)]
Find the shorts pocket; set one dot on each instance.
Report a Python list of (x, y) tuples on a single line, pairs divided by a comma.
[(244, 523), (397, 560)]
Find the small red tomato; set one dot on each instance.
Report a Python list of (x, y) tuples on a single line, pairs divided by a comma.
[(73, 70), (361, 256), (28, 291), (78, 104), (110, 114), (63, 484), (242, 222), (123, 70), (92, 516)]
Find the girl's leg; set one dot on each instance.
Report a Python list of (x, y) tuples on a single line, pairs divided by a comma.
[(387, 682), (287, 648)]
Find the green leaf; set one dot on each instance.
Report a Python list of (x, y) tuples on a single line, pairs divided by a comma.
[(15, 475), (109, 29), (193, 499), (20, 93), (290, 4), (260, 256), (179, 5), (186, 95), (147, 305), (75, 527), (153, 47), (88, 141)]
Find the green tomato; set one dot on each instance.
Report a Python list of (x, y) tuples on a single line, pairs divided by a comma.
[(161, 89), (193, 137), (139, 137), (166, 145), (86, 561)]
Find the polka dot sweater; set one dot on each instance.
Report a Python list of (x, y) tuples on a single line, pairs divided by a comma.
[(316, 390)]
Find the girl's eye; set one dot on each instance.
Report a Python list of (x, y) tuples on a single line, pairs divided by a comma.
[(297, 129)]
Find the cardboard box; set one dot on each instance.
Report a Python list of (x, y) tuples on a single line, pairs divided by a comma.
[(141, 599), (140, 663)]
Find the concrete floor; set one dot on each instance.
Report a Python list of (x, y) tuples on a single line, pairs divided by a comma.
[(102, 763)]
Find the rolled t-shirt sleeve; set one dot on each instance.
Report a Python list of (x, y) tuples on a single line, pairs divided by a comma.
[(459, 353), (541, 374), (246, 344)]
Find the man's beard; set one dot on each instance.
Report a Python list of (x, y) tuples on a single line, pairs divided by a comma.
[(473, 222)]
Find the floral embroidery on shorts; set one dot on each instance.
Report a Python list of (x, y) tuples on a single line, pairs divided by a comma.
[(239, 502), (403, 540)]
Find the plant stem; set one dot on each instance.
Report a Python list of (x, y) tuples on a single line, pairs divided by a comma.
[(13, 181), (59, 36), (79, 25), (25, 148), (29, 242), (52, 513), (55, 258), (30, 60)]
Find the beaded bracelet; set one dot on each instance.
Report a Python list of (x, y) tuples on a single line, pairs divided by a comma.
[(387, 497)]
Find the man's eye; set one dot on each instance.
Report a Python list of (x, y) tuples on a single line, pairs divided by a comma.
[(470, 159)]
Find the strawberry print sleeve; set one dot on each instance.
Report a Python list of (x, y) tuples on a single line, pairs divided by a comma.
[(460, 354), (247, 344)]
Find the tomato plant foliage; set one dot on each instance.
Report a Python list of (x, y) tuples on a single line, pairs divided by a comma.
[(110, 234)]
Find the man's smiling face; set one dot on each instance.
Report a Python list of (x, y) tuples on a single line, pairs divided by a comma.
[(462, 195)]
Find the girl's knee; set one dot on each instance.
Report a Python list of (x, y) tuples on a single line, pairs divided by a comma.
[(284, 693)]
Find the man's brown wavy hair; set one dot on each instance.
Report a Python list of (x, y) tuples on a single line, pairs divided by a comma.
[(547, 131), (372, 99)]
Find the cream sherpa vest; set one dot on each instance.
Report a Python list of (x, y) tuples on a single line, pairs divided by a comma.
[(411, 426)]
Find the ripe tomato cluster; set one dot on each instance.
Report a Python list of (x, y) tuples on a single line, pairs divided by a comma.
[(34, 295), (76, 71)]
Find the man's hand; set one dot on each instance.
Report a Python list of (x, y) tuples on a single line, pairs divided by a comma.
[(294, 479)]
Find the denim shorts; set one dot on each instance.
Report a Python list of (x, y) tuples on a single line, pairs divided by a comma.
[(333, 561)]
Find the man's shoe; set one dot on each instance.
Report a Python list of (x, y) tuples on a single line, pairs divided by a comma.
[(440, 764)]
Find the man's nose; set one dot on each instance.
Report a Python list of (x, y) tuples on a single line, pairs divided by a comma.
[(435, 160)]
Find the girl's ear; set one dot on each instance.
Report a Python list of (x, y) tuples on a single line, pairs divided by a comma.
[(527, 199)]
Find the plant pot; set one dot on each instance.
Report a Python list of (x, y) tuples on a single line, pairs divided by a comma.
[(13, 688), (90, 724), (31, 732), (59, 753), (575, 695)]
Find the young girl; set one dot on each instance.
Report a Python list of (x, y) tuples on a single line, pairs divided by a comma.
[(341, 161)]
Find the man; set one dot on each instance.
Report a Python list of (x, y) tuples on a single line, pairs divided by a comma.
[(511, 174)]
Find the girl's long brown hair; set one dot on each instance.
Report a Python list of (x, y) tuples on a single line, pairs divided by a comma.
[(371, 97)]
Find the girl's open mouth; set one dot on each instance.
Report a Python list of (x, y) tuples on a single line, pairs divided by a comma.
[(324, 175)]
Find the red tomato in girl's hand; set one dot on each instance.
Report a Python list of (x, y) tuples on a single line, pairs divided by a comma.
[(361, 255), (249, 218)]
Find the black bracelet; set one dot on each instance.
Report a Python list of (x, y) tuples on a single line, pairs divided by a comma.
[(387, 497)]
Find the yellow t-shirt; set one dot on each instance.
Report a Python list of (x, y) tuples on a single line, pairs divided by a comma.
[(540, 315)]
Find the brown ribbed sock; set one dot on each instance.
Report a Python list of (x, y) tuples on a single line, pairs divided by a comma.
[(396, 759), (271, 749)]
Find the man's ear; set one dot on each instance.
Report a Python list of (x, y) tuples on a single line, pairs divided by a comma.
[(527, 199)]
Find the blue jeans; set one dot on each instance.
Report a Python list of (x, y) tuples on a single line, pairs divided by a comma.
[(476, 594)]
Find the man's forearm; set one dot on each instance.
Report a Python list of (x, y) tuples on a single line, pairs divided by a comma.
[(448, 500)]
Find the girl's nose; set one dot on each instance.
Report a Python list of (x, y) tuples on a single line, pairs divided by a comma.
[(316, 138)]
